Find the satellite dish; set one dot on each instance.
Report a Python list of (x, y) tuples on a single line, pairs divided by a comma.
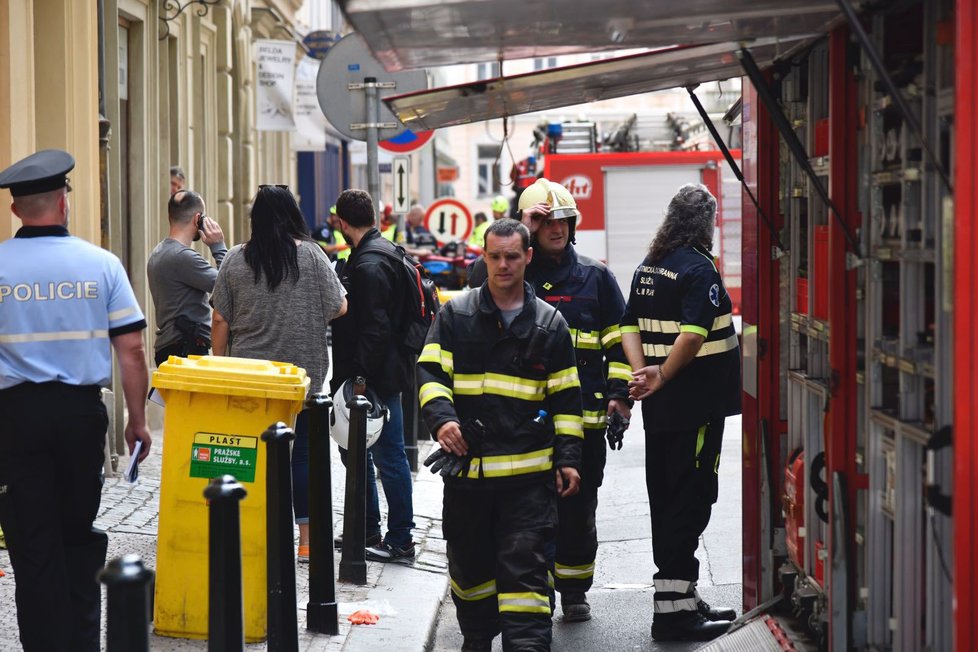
[(349, 62)]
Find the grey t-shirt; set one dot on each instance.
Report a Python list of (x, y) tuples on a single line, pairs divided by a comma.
[(287, 324), (179, 280), (509, 315)]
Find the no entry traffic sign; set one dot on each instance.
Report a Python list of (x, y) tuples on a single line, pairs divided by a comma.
[(406, 141), (449, 220)]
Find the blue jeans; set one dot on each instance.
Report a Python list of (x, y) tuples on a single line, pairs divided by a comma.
[(388, 455), (300, 468)]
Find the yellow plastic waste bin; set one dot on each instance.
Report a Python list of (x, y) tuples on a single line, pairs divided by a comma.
[(216, 409)]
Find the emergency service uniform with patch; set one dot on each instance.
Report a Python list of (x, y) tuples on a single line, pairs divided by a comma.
[(61, 300), (501, 513), (684, 420)]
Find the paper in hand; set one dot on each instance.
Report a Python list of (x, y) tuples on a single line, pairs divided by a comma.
[(132, 471)]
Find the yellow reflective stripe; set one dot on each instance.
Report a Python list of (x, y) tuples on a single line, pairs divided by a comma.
[(561, 380), (574, 572), (708, 348), (619, 371), (479, 592), (550, 579), (119, 314), (499, 466), (595, 418), (526, 602), (501, 385), (56, 336), (666, 326), (629, 329), (569, 424), (585, 339), (700, 438), (431, 391), (434, 353), (690, 328), (611, 336)]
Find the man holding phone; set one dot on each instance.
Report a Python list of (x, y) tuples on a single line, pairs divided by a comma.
[(180, 278)]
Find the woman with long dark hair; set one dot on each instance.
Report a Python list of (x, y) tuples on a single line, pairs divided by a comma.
[(274, 296)]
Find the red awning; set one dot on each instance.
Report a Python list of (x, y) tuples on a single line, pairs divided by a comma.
[(579, 84), (421, 33)]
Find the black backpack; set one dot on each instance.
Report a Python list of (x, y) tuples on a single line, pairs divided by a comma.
[(421, 297)]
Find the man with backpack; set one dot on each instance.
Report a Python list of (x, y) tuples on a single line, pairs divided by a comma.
[(368, 344)]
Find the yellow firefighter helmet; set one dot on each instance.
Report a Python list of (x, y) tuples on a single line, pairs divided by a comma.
[(544, 191)]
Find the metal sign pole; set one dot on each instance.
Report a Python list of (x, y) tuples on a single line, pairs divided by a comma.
[(373, 169)]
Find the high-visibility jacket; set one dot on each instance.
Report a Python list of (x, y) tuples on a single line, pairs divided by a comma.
[(683, 292), (338, 238), (390, 233), (472, 367), (478, 237), (588, 297)]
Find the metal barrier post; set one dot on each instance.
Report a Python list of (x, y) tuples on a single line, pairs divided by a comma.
[(322, 614), (412, 412), (127, 583), (225, 607), (353, 562), (283, 628)]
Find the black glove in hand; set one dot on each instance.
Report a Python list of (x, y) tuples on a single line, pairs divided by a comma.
[(617, 425), (437, 460), (447, 464)]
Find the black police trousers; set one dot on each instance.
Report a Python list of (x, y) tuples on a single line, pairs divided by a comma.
[(497, 562), (577, 536), (681, 476), (52, 440)]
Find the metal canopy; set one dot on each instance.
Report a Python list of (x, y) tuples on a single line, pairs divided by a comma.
[(420, 33), (579, 84)]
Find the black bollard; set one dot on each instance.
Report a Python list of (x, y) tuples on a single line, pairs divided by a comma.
[(412, 413), (322, 614), (283, 628), (353, 561), (225, 606), (127, 584)]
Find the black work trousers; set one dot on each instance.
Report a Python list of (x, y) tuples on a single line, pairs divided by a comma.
[(681, 476), (577, 536), (497, 562), (52, 439)]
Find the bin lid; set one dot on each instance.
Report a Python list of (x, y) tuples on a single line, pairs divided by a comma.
[(213, 374)]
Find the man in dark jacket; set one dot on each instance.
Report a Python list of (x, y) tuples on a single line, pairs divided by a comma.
[(503, 358), (365, 346)]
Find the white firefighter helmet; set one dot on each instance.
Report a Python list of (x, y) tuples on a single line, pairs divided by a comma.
[(561, 202), (339, 416)]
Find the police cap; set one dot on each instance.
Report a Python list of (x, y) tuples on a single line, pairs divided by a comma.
[(40, 172)]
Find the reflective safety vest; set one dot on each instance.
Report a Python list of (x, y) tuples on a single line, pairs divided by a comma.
[(682, 293), (390, 233), (587, 296), (338, 238), (478, 237), (474, 367)]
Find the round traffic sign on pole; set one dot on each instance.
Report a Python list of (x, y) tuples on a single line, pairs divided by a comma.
[(448, 220), (406, 141), (350, 61)]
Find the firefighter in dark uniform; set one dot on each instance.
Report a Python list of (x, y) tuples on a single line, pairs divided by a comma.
[(503, 357), (62, 301), (587, 296), (679, 337)]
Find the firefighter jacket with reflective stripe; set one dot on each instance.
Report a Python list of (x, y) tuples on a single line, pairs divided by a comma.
[(683, 292), (474, 367), (587, 296)]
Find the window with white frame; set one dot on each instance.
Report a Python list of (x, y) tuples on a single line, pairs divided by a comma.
[(487, 70), (542, 64), (488, 178)]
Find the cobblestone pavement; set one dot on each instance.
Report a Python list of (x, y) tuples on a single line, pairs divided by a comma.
[(130, 514)]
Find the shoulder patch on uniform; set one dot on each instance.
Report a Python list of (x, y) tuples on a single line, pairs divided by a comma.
[(715, 295)]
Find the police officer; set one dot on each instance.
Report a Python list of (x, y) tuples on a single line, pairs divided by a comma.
[(503, 357), (587, 295), (679, 337), (63, 302)]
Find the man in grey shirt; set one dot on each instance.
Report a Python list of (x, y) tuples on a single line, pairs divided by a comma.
[(180, 278)]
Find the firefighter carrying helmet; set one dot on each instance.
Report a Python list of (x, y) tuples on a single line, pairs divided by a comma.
[(339, 416), (544, 191)]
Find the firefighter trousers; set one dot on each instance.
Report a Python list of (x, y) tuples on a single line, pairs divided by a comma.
[(577, 536), (681, 476), (496, 543)]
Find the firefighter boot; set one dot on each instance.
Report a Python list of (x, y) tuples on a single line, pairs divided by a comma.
[(575, 606), (712, 614), (472, 644), (686, 626)]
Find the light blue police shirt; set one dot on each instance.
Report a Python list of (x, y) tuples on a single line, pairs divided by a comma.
[(61, 299)]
